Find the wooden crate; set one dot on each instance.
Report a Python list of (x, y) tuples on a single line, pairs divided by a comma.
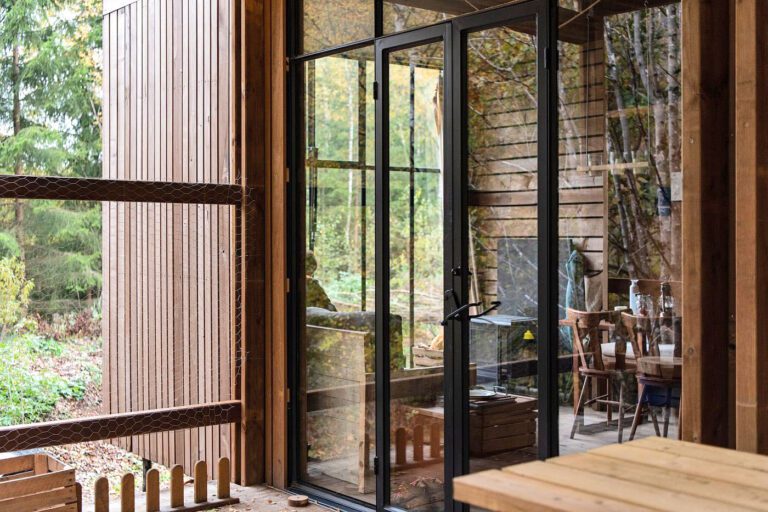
[(29, 483), (424, 357), (502, 425)]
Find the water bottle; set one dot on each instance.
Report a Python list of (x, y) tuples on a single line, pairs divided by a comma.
[(634, 293)]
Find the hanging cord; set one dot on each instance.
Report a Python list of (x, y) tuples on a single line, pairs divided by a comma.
[(648, 61), (580, 14), (588, 159)]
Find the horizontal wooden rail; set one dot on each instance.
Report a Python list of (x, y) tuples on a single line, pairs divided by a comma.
[(96, 189), (54, 433)]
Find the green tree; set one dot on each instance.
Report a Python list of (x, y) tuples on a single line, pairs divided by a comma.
[(50, 115), (14, 293)]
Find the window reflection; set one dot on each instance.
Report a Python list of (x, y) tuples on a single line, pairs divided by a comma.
[(620, 206), (338, 343)]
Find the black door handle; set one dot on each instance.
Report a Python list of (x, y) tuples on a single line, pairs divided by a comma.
[(454, 315), (494, 306)]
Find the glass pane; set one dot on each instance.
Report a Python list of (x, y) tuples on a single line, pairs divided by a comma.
[(502, 165), (337, 352), (407, 14), (326, 24), (416, 276), (620, 206)]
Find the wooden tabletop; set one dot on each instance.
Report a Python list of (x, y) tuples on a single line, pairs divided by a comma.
[(649, 474)]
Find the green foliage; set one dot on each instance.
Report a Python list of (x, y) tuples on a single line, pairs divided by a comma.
[(30, 386), (9, 246), (14, 293), (50, 124)]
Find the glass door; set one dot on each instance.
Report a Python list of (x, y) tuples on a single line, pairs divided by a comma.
[(503, 250), (501, 166), (413, 185)]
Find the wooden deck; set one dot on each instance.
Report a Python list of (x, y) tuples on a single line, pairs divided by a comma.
[(257, 498), (334, 475)]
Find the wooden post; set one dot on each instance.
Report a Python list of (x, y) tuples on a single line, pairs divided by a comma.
[(127, 493), (400, 444), (705, 219), (222, 484), (253, 241), (153, 490), (277, 364), (751, 69), (418, 443), (79, 495), (101, 499), (177, 486), (434, 440), (201, 482)]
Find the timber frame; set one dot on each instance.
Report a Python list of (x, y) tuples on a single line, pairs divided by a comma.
[(711, 220)]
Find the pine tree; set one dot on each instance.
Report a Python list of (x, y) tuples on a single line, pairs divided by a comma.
[(50, 113)]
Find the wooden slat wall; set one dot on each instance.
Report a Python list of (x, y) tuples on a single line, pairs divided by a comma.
[(167, 298), (505, 199)]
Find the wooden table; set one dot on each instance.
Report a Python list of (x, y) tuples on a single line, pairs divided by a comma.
[(648, 474)]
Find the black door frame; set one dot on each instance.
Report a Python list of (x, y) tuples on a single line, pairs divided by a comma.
[(384, 47), (547, 216), (456, 382)]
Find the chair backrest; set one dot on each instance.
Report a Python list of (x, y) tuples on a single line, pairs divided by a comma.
[(587, 324), (637, 332), (645, 340)]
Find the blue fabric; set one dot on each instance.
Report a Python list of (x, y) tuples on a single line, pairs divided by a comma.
[(575, 295)]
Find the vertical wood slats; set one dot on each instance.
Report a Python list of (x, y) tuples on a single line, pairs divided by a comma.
[(508, 164), (167, 267)]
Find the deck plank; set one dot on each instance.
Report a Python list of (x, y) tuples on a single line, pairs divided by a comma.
[(708, 488)]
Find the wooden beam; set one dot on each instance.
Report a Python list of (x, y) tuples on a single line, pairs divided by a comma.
[(705, 220), (751, 280), (112, 426), (235, 154), (277, 349), (94, 189), (253, 240)]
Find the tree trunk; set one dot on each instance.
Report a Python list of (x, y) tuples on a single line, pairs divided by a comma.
[(19, 167), (673, 131), (633, 230)]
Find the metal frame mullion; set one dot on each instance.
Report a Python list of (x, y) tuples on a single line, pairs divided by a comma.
[(384, 47), (382, 280), (548, 207)]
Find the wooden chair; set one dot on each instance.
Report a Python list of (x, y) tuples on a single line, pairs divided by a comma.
[(657, 386), (591, 325)]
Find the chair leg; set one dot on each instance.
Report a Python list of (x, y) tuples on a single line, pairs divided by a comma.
[(621, 411), (578, 412), (638, 411), (655, 421), (608, 409), (667, 409)]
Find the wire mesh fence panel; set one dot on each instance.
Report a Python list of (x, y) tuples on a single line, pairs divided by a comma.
[(113, 308)]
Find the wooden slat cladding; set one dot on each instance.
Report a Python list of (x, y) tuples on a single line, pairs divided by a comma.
[(504, 160), (168, 273)]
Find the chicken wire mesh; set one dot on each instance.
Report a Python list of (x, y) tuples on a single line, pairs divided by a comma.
[(120, 307)]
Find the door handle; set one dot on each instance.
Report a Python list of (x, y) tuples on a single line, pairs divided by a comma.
[(454, 315), (494, 306)]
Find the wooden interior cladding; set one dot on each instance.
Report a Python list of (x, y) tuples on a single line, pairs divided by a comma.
[(751, 207), (168, 273), (504, 199)]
